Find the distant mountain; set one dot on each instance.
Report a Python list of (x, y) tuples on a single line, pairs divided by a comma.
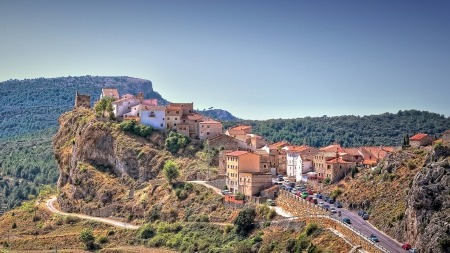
[(218, 114), (34, 104)]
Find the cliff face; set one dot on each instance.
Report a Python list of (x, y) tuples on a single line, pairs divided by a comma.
[(427, 216), (407, 196), (99, 163)]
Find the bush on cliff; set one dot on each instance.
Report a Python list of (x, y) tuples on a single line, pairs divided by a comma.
[(175, 141), (131, 126), (244, 221)]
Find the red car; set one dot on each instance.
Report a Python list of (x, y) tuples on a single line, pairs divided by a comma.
[(406, 246), (309, 198), (309, 191)]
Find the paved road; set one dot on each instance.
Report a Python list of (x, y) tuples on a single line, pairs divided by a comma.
[(218, 191), (116, 223), (367, 229)]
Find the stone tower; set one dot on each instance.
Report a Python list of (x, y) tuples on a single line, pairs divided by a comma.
[(82, 100)]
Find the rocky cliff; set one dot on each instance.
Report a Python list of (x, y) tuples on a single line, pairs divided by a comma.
[(100, 164), (407, 196)]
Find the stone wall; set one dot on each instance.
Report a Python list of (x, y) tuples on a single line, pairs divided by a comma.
[(311, 213)]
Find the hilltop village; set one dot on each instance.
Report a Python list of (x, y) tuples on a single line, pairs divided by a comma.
[(247, 162)]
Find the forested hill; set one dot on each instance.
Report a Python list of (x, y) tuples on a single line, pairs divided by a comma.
[(349, 131), (34, 104)]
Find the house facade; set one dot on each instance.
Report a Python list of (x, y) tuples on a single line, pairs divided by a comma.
[(337, 168), (153, 116), (123, 105), (239, 132), (110, 93), (208, 129), (420, 140), (239, 161), (82, 100), (252, 183), (173, 117)]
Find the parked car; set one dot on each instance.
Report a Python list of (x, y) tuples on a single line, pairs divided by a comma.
[(313, 200), (338, 204), (287, 182), (294, 191), (320, 203), (365, 216), (326, 206), (406, 246), (270, 202), (373, 238), (299, 193), (309, 198), (331, 201), (333, 210), (225, 192), (413, 250), (280, 177), (304, 195), (361, 213), (309, 191), (346, 220), (319, 196), (325, 197)]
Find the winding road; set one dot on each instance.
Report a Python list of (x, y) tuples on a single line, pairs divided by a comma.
[(116, 223)]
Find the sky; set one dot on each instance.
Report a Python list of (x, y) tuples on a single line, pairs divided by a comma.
[(256, 59)]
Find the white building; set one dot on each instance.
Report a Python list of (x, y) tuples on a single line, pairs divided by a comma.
[(299, 160), (153, 116), (109, 93), (124, 104)]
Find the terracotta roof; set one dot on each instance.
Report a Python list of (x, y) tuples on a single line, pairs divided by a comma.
[(418, 137), (219, 137), (210, 122), (151, 102), (296, 148), (241, 128), (110, 93), (332, 148), (131, 118), (337, 160), (152, 108), (237, 153), (236, 132), (280, 144), (192, 116), (173, 108), (122, 99), (352, 151), (369, 162)]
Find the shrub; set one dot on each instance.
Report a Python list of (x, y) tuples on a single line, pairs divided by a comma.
[(147, 231), (175, 141), (336, 192), (131, 126), (14, 225), (244, 221), (354, 171), (155, 212), (102, 239), (267, 224), (326, 181), (411, 165), (445, 242), (87, 238), (311, 228), (110, 233), (171, 170), (71, 219), (271, 214), (240, 196)]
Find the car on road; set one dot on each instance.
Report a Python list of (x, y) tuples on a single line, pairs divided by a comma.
[(319, 196), (338, 204), (225, 192), (413, 250), (320, 203), (333, 210), (304, 195), (309, 198), (406, 246), (373, 238), (365, 216), (309, 191), (313, 200), (361, 213), (331, 201), (326, 206), (346, 220), (280, 178)]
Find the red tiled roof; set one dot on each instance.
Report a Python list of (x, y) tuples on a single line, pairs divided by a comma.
[(236, 132), (131, 118), (337, 160), (332, 148), (369, 162), (280, 144), (237, 153), (152, 108), (124, 98), (151, 102), (110, 93), (418, 137), (210, 122), (241, 128), (173, 108), (296, 148), (352, 151), (192, 116)]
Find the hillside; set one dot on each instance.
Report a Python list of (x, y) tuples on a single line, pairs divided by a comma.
[(350, 131), (407, 196), (34, 104), (218, 114)]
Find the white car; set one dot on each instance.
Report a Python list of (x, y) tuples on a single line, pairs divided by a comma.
[(320, 203), (294, 191), (333, 210)]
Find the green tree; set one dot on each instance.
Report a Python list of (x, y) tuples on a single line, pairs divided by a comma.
[(244, 221), (105, 106), (87, 238), (171, 171), (175, 141), (354, 171)]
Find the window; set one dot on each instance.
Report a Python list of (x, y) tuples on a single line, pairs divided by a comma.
[(189, 111), (175, 118), (184, 120), (207, 133), (129, 108), (168, 118), (161, 125), (177, 112), (208, 126), (128, 103), (174, 124), (151, 114)]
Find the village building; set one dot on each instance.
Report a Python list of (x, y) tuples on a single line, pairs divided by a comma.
[(223, 141), (299, 160), (273, 158), (238, 162), (153, 116), (239, 132), (420, 140), (372, 155), (252, 183), (352, 155), (109, 93), (123, 105), (337, 168), (209, 129), (446, 136), (173, 117)]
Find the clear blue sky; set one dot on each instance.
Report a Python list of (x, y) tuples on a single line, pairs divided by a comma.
[(256, 59)]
